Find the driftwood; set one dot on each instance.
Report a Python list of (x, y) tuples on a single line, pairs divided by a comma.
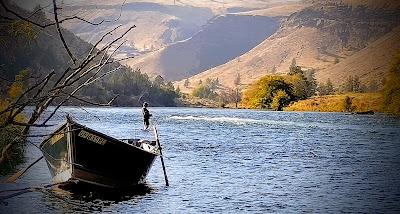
[(14, 177)]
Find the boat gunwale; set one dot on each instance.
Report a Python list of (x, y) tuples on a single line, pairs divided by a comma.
[(110, 139), (53, 134)]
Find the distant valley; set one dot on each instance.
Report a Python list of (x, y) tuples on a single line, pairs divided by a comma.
[(157, 25), (181, 40), (222, 39)]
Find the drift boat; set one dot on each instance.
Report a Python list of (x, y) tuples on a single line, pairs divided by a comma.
[(76, 153)]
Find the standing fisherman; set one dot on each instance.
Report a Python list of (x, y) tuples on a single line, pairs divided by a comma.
[(146, 116)]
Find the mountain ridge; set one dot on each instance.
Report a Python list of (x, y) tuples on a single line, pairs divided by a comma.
[(318, 37), (209, 47)]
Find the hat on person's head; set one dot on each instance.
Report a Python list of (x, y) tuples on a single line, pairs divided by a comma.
[(145, 104)]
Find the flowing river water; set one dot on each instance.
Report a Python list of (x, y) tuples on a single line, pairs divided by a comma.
[(236, 161)]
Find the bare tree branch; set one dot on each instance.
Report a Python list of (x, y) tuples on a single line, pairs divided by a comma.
[(75, 17), (27, 19), (15, 105), (21, 108), (38, 10), (86, 83), (88, 70), (93, 103), (60, 33), (31, 125), (120, 13), (123, 59), (68, 81)]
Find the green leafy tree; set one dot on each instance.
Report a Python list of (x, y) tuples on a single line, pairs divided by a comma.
[(353, 84), (311, 82), (348, 84), (326, 88), (296, 70), (206, 89), (261, 93), (279, 100), (304, 83), (158, 81)]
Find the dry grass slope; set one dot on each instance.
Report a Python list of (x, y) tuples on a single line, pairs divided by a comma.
[(361, 102), (366, 51), (371, 63)]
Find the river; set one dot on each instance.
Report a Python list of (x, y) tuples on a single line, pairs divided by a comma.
[(237, 161)]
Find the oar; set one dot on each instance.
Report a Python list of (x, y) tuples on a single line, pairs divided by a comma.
[(14, 177), (161, 155)]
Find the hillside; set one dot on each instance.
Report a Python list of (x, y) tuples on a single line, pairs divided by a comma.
[(373, 4), (40, 51), (221, 40), (218, 7), (157, 25), (318, 37), (370, 63)]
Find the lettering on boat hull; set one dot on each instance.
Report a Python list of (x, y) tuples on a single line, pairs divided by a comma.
[(91, 137)]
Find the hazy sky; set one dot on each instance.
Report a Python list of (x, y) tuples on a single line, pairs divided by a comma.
[(30, 4)]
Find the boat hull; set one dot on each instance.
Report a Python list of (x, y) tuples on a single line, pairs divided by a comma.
[(78, 153)]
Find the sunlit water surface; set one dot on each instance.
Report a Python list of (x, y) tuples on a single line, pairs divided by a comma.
[(238, 161)]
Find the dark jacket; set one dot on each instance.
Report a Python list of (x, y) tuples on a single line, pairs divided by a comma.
[(146, 113)]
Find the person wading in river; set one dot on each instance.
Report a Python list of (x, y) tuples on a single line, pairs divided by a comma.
[(146, 116)]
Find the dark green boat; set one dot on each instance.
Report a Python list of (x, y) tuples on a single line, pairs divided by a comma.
[(76, 153)]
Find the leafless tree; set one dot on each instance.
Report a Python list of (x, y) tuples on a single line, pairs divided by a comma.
[(58, 89)]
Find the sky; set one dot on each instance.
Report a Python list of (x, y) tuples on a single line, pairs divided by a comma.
[(30, 4)]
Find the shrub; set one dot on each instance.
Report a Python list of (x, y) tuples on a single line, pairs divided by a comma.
[(391, 91), (261, 93), (281, 99)]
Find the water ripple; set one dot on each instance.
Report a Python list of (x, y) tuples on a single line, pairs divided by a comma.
[(230, 161)]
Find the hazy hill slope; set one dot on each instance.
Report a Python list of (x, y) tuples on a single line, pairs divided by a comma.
[(217, 6), (283, 10), (317, 37), (40, 51), (221, 40), (277, 51), (374, 4), (371, 63), (157, 25)]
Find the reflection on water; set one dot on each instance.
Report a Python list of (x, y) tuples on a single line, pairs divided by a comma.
[(235, 161), (88, 198)]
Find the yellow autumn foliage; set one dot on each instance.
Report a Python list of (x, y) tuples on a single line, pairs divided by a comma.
[(261, 93), (391, 91), (18, 86), (360, 102)]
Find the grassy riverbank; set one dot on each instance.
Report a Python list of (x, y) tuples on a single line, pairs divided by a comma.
[(16, 156), (8, 134), (355, 102)]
